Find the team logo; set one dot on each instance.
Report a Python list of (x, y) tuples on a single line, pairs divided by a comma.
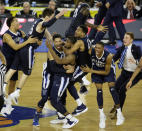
[(22, 113)]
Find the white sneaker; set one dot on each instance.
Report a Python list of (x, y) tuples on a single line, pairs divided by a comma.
[(14, 96), (85, 81), (70, 123), (120, 119), (58, 121), (102, 123), (8, 109)]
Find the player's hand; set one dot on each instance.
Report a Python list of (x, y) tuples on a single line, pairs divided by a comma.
[(69, 68), (107, 5), (85, 69), (61, 13), (32, 40), (49, 44), (23, 34), (99, 4), (129, 85), (102, 28)]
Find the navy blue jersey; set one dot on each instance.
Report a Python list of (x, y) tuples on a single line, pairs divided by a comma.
[(33, 31), (36, 34), (77, 20), (53, 67), (77, 10), (6, 49), (99, 63), (83, 57)]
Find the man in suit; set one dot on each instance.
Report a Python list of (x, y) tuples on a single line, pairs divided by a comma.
[(130, 10), (131, 55), (98, 19), (114, 13), (137, 75)]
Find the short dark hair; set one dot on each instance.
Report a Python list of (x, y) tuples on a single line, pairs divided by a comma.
[(47, 12), (9, 21), (100, 43), (84, 28), (130, 34), (56, 36), (72, 39)]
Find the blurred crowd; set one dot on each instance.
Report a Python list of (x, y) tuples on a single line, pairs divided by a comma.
[(132, 8)]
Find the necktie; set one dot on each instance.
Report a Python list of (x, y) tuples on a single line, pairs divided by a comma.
[(131, 14), (121, 62)]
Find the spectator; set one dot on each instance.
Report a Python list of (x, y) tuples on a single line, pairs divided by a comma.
[(26, 12), (130, 10), (53, 5), (4, 12), (139, 14)]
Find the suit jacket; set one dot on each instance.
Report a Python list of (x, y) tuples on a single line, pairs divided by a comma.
[(125, 13), (116, 7), (139, 13), (136, 52)]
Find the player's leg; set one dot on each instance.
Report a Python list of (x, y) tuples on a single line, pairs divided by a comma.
[(83, 83), (81, 108), (1, 102), (11, 87), (15, 95), (2, 74), (79, 76), (118, 84), (26, 58), (8, 76), (45, 93), (57, 90), (60, 118), (100, 104), (120, 118)]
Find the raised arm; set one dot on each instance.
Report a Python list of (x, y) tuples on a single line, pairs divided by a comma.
[(75, 47), (70, 59), (52, 19)]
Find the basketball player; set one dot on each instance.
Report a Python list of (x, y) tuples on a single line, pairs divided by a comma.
[(11, 44), (48, 74), (103, 70), (80, 17)]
